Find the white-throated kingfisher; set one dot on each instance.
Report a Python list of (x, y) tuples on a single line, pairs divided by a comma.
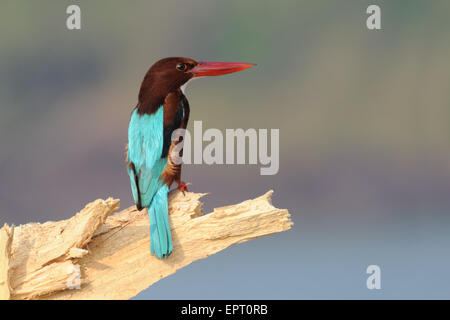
[(162, 108)]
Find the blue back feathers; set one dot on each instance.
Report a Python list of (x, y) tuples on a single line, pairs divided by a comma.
[(145, 147)]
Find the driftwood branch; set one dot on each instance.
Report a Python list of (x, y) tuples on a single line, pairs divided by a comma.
[(6, 236), (96, 255)]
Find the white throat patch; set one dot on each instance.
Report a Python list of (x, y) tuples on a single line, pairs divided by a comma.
[(183, 87)]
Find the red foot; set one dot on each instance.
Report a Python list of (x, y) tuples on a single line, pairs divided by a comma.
[(182, 187)]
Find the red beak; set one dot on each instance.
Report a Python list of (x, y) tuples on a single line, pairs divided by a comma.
[(210, 68)]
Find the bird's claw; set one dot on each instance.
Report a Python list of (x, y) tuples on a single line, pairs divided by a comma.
[(183, 187)]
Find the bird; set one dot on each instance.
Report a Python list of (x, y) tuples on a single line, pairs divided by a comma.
[(163, 108)]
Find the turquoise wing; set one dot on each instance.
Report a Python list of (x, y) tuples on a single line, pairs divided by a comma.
[(145, 146)]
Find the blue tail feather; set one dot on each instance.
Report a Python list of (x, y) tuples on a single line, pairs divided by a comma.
[(160, 237)]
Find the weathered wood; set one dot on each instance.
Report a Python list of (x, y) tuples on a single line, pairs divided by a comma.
[(42, 253), (6, 236), (97, 256)]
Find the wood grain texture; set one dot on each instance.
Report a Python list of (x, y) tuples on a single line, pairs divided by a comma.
[(95, 255), (6, 236)]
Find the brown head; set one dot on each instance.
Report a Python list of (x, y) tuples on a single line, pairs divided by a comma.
[(169, 74)]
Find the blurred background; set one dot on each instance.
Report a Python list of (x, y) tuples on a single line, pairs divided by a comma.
[(364, 125)]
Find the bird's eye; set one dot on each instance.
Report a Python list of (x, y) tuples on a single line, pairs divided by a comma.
[(181, 66)]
